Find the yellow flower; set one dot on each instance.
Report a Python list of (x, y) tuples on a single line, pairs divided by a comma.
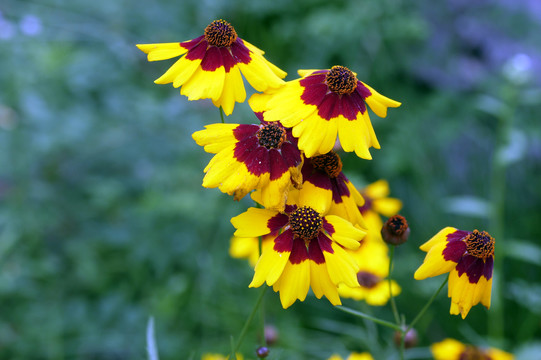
[(450, 349), (324, 104), (353, 356), (374, 268), (212, 66), (309, 250), (324, 181), (376, 203), (263, 156), (469, 257)]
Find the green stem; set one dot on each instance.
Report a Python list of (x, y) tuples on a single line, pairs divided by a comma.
[(368, 317), (391, 297), (222, 115), (497, 218), (235, 348), (427, 305), (262, 306)]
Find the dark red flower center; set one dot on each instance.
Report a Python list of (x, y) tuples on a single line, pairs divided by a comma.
[(397, 225), (480, 244), (220, 33), (305, 223), (341, 80), (473, 353), (367, 279), (329, 163), (271, 136)]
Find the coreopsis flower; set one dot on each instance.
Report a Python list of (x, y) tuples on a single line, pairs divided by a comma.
[(376, 203), (353, 356), (212, 65), (469, 257), (324, 104), (324, 181), (373, 270), (450, 349), (308, 252), (248, 157)]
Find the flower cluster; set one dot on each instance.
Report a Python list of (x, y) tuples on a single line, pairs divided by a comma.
[(311, 228), (311, 213)]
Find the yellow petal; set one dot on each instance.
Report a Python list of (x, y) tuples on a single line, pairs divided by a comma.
[(341, 266), (379, 103), (354, 136), (305, 73), (485, 298), (233, 91), (377, 190), (181, 71), (345, 233), (277, 71), (294, 283), (204, 84), (379, 294), (215, 137), (269, 267), (434, 263), (162, 51), (387, 206), (448, 349), (252, 222), (496, 354), (440, 237), (315, 197), (321, 283)]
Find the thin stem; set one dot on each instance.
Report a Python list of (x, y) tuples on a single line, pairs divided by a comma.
[(497, 216), (368, 317), (427, 305), (233, 354), (262, 306), (391, 297), (222, 115)]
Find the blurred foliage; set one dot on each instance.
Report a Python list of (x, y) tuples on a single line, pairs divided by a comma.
[(103, 220)]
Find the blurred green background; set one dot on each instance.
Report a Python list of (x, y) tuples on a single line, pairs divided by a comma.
[(103, 220)]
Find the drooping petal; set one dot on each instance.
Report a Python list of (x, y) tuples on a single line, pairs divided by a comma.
[(321, 283), (269, 268), (233, 91), (341, 266), (434, 263), (440, 237), (293, 283), (379, 103)]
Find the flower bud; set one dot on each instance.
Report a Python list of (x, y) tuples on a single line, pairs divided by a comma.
[(410, 339), (271, 334), (395, 231), (262, 352)]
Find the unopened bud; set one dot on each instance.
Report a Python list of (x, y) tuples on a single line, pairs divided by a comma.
[(395, 231), (262, 352), (410, 339), (271, 334)]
